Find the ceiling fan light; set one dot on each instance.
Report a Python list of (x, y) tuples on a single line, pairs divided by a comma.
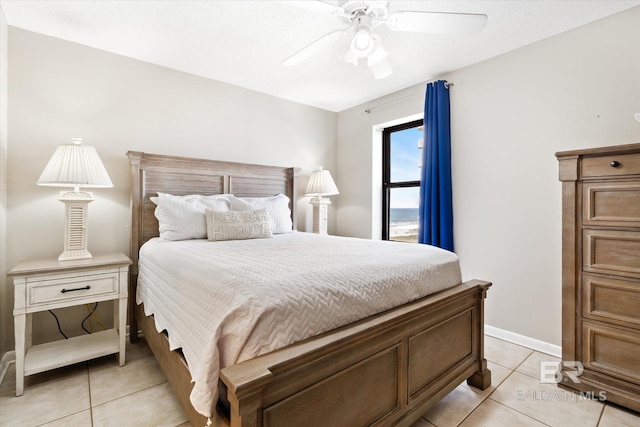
[(378, 54), (362, 44), (382, 69), (350, 58)]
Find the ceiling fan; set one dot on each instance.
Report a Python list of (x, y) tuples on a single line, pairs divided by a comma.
[(362, 16)]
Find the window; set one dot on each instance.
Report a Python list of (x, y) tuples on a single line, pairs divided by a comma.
[(401, 163)]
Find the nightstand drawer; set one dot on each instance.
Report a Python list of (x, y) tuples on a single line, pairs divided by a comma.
[(92, 287)]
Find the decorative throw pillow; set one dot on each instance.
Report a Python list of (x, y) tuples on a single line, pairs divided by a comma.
[(277, 208), (237, 225)]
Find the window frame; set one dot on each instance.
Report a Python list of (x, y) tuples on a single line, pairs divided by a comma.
[(387, 185)]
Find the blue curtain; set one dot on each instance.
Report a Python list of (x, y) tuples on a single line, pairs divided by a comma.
[(436, 205)]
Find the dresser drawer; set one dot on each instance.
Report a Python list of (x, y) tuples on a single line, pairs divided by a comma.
[(612, 203), (611, 252), (90, 287), (611, 351), (611, 300), (604, 166)]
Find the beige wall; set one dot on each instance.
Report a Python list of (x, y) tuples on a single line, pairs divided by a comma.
[(3, 174), (510, 114), (59, 90)]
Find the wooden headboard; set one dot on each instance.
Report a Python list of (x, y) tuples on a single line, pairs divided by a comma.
[(153, 173)]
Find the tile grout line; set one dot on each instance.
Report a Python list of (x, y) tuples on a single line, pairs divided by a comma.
[(521, 413), (90, 400), (515, 370), (601, 414), (496, 387), (71, 414), (524, 360), (488, 395), (58, 419), (131, 394)]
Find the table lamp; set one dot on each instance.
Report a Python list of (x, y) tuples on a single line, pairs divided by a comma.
[(320, 184), (75, 165)]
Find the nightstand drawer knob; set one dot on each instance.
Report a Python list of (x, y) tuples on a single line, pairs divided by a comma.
[(64, 291), (615, 164)]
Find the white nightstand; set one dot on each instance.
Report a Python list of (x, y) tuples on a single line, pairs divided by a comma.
[(50, 284)]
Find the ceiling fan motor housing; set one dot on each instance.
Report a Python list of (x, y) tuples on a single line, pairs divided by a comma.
[(354, 9)]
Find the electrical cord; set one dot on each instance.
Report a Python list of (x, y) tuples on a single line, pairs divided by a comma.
[(88, 307), (93, 318), (88, 316), (82, 324), (58, 323)]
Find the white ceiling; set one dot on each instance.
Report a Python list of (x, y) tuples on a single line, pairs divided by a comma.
[(243, 42)]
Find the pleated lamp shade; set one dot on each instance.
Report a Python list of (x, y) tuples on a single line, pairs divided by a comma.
[(75, 165), (321, 184)]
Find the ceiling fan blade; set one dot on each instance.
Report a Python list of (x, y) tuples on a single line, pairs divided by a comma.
[(320, 6), (315, 47), (437, 22)]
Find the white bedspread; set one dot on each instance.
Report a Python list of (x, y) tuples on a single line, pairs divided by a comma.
[(225, 302)]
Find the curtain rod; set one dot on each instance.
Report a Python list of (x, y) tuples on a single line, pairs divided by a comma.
[(375, 107)]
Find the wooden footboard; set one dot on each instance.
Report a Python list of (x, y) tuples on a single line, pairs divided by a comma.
[(385, 370)]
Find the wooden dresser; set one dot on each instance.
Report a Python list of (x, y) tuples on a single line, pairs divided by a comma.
[(601, 272)]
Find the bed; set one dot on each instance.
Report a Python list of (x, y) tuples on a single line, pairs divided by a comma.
[(385, 369)]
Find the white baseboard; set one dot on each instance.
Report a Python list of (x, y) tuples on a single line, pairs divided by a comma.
[(7, 359), (532, 343)]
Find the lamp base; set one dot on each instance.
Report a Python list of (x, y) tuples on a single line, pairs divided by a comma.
[(320, 214), (75, 234), (71, 255)]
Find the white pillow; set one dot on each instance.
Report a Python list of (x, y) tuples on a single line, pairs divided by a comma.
[(182, 217), (216, 202), (179, 218), (277, 207), (198, 197), (234, 225), (188, 197)]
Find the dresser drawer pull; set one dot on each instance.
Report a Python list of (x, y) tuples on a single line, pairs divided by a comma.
[(615, 164), (64, 291)]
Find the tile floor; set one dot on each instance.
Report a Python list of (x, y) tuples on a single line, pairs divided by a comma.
[(99, 393)]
